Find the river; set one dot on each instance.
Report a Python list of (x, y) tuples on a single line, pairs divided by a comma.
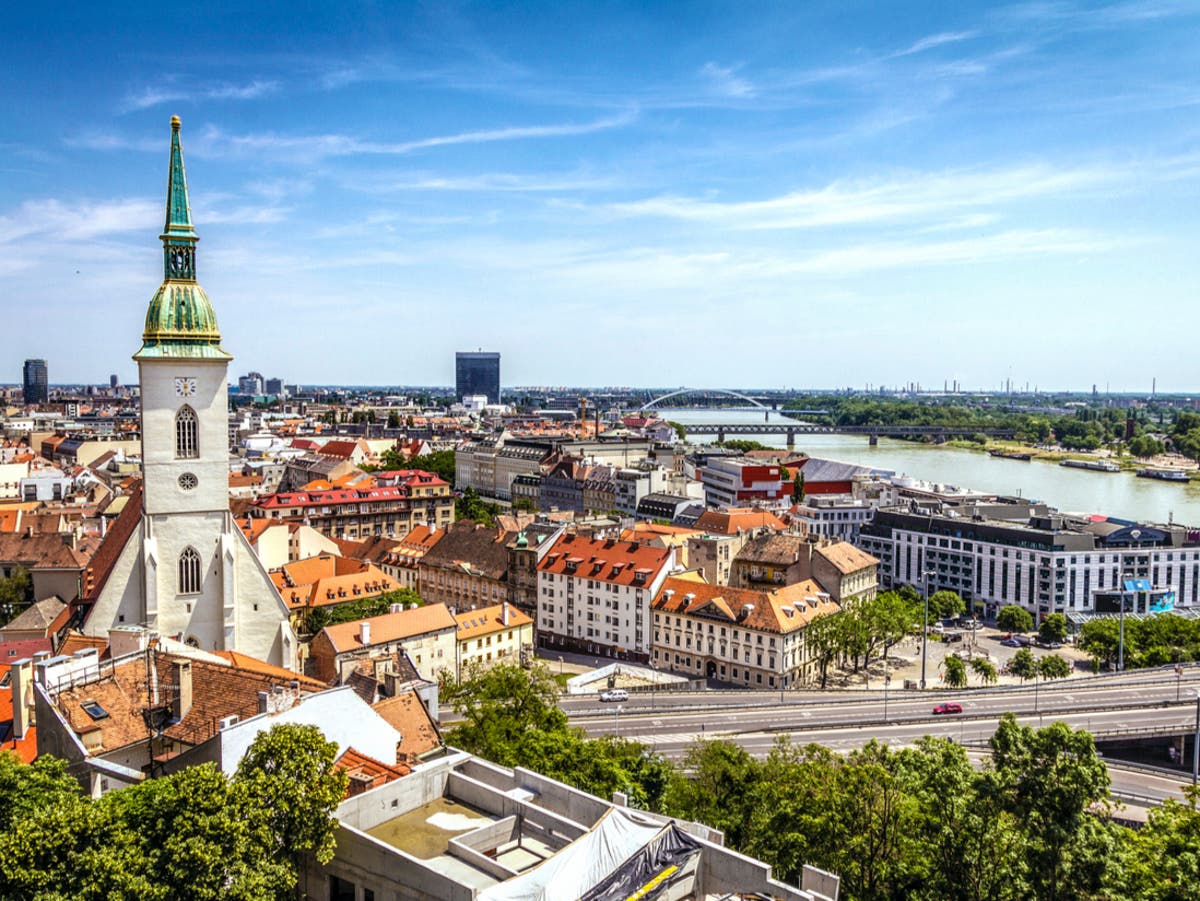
[(1074, 490)]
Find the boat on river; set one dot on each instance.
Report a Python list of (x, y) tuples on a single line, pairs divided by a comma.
[(1010, 454), (1093, 465), (1166, 475)]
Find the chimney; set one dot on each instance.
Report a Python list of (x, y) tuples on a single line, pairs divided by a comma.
[(22, 679), (183, 688), (364, 633), (264, 701), (504, 613)]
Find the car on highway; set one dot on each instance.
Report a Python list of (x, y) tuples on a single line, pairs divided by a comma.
[(614, 694), (1010, 643), (947, 707)]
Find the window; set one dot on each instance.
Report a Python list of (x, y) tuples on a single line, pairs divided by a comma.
[(187, 439), (189, 572)]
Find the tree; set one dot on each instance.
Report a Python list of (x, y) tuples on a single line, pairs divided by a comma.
[(1052, 666), (945, 604), (956, 672), (798, 486), (500, 705), (680, 430), (1022, 665), (985, 670), (26, 788), (1053, 781), (1053, 628), (1163, 862), (472, 506), (293, 788), (523, 505), (15, 593), (721, 789), (317, 618), (1101, 639), (1014, 619), (393, 420)]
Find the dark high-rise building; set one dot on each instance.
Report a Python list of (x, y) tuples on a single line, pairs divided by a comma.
[(37, 382), (114, 382), (477, 373)]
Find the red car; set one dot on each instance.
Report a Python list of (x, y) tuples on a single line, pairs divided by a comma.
[(948, 707)]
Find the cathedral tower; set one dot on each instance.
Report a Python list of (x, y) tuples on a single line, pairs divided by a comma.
[(185, 570)]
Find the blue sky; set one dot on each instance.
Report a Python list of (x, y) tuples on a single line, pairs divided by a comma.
[(794, 194)]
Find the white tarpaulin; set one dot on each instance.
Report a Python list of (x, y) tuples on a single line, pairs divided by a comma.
[(584, 863)]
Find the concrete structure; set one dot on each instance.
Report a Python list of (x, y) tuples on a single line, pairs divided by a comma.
[(594, 595), (1014, 553), (739, 482), (839, 516), (175, 561), (477, 372), (36, 382), (462, 829)]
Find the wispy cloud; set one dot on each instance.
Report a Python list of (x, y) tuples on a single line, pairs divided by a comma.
[(903, 198), (156, 96), (937, 40), (79, 221), (327, 145), (726, 82)]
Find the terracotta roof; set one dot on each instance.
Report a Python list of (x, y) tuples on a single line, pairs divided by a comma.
[(729, 522), (406, 714), (47, 550), (484, 548), (77, 641), (26, 748), (783, 610), (391, 627), (117, 537), (487, 620), (11, 651), (342, 449), (605, 560), (217, 691), (253, 527), (254, 665), (327, 579), (366, 772), (846, 557), (775, 550), (244, 480)]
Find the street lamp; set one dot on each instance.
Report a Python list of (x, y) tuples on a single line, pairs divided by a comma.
[(1196, 743), (925, 632), (1121, 639)]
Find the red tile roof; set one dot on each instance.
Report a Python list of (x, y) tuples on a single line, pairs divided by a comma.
[(605, 560), (114, 542)]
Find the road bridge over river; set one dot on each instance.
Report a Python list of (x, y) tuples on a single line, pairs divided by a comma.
[(873, 432)]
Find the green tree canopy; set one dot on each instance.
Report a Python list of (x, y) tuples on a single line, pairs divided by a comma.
[(1053, 628), (955, 672), (945, 604), (1022, 665), (1014, 619), (985, 670), (1052, 666)]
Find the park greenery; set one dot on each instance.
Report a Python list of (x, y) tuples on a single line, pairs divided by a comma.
[(1154, 641), (471, 506), (195, 835), (918, 823), (1014, 619), (318, 618), (440, 463), (743, 445), (16, 592)]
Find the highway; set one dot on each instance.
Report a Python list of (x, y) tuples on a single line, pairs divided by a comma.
[(1137, 704)]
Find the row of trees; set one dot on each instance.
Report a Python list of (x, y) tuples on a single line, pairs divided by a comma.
[(1086, 429), (197, 835), (1153, 641), (917, 823)]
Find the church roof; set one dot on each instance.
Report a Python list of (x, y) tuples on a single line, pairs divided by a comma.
[(180, 321)]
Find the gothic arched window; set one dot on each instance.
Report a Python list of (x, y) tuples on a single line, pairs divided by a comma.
[(187, 437), (189, 571)]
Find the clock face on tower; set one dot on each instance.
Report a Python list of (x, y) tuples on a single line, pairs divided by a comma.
[(185, 387)]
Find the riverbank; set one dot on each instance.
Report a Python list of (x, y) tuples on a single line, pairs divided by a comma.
[(1044, 454)]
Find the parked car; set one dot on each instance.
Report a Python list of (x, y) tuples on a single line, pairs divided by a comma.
[(954, 636), (947, 707), (1011, 643), (1049, 645), (614, 694)]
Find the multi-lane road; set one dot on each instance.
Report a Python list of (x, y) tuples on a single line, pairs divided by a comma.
[(1143, 703)]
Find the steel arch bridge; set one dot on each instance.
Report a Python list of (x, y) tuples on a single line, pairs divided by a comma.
[(725, 391)]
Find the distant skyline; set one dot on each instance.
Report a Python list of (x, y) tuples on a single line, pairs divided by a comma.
[(701, 194)]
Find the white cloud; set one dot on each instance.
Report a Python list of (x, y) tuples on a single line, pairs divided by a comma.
[(79, 221), (157, 95), (726, 81), (937, 40)]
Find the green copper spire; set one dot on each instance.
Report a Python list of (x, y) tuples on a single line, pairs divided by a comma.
[(180, 322)]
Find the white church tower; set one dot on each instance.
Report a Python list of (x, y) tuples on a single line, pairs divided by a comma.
[(186, 570)]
